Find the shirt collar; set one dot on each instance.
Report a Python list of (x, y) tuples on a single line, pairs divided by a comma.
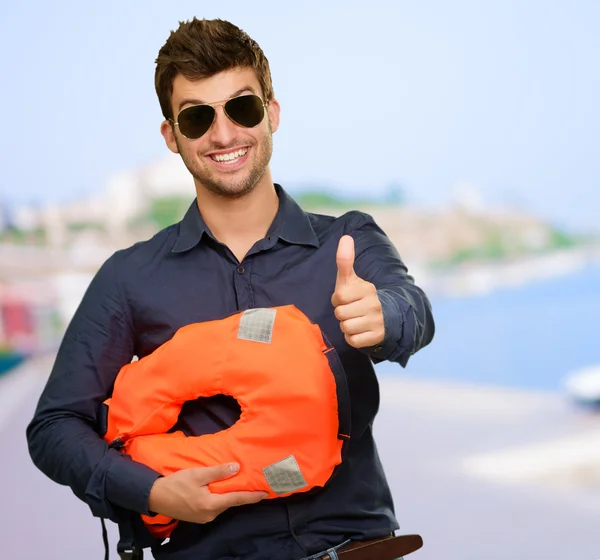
[(291, 224)]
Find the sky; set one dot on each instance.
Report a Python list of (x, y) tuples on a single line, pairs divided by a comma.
[(498, 96)]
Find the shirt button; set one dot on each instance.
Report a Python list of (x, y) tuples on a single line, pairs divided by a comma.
[(299, 529), (241, 269), (377, 349)]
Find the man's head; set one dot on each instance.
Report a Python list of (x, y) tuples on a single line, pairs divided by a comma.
[(210, 62)]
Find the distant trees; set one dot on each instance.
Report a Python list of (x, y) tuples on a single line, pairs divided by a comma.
[(167, 210), (315, 198)]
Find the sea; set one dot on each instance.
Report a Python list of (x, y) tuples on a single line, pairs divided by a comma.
[(528, 337)]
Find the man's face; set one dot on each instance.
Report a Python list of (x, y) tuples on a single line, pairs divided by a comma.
[(252, 146)]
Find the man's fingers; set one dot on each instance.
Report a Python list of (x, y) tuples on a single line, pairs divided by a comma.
[(206, 475), (353, 326), (362, 340), (345, 311), (234, 499)]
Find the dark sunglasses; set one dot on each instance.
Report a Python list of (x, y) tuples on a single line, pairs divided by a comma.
[(245, 110)]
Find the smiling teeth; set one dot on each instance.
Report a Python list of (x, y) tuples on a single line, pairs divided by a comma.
[(231, 156)]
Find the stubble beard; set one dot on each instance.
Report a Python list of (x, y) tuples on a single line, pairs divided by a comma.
[(232, 187)]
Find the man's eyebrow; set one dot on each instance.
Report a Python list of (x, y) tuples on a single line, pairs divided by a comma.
[(194, 101)]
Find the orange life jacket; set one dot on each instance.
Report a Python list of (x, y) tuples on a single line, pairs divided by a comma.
[(287, 380)]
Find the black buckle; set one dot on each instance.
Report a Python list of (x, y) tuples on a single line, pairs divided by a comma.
[(127, 548), (130, 553)]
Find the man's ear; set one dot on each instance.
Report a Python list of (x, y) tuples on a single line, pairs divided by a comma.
[(168, 132), (273, 109)]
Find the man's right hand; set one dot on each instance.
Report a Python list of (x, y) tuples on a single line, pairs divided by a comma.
[(184, 495)]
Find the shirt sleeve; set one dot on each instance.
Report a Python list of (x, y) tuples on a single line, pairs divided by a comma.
[(407, 313), (65, 435)]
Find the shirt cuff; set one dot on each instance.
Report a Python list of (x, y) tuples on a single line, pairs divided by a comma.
[(393, 322), (119, 481)]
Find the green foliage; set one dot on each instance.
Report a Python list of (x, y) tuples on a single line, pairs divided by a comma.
[(167, 210), (77, 227), (36, 236), (561, 240), (311, 200), (498, 246), (493, 248), (319, 199)]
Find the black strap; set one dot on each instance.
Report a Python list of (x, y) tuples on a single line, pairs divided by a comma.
[(105, 539), (343, 394), (126, 547)]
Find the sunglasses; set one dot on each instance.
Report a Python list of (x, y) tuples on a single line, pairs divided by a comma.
[(245, 110)]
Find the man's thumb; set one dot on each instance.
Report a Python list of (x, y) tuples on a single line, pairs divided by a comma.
[(217, 472), (345, 260)]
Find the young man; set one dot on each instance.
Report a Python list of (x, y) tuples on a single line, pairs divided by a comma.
[(244, 243)]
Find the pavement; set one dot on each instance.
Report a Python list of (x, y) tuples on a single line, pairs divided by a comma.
[(480, 473)]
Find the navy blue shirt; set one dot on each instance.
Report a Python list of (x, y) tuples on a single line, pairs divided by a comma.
[(137, 301)]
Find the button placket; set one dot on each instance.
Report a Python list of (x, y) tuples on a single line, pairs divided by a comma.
[(243, 286)]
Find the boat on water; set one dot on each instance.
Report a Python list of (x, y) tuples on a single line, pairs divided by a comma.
[(583, 385)]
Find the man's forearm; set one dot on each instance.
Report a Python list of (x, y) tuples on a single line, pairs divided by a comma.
[(69, 451)]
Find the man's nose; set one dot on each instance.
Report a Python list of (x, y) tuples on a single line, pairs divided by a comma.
[(223, 130)]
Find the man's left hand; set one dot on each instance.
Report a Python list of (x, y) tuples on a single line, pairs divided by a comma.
[(357, 306)]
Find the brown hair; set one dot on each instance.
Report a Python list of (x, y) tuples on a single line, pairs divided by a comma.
[(202, 48)]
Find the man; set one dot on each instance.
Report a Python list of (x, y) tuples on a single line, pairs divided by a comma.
[(244, 243)]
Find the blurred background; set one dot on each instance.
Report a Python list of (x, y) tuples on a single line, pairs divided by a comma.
[(468, 130)]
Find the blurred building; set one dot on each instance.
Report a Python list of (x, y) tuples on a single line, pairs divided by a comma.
[(467, 243), (110, 215), (129, 194), (29, 323)]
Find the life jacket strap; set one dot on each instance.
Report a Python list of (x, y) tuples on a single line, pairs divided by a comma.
[(130, 554), (126, 547)]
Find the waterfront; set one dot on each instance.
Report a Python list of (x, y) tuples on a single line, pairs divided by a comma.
[(485, 455), (528, 336), (430, 434)]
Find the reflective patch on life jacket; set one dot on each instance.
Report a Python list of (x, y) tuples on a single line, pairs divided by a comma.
[(257, 325), (285, 476)]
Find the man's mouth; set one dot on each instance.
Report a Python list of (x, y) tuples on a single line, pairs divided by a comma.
[(229, 158)]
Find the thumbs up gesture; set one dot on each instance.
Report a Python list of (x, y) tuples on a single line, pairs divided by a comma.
[(355, 301)]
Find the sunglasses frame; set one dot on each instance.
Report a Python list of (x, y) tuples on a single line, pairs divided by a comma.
[(214, 106)]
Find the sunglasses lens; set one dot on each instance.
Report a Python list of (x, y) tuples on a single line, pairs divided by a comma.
[(195, 121), (245, 110)]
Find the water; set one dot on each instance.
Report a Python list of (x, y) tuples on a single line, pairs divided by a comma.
[(526, 337)]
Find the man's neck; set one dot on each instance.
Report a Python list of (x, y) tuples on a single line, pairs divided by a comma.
[(240, 222)]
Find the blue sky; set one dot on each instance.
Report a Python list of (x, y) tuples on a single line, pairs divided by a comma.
[(431, 94)]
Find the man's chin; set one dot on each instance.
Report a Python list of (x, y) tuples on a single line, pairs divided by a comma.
[(226, 189)]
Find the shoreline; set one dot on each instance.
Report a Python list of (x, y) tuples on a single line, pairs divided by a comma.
[(482, 279), (514, 463)]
